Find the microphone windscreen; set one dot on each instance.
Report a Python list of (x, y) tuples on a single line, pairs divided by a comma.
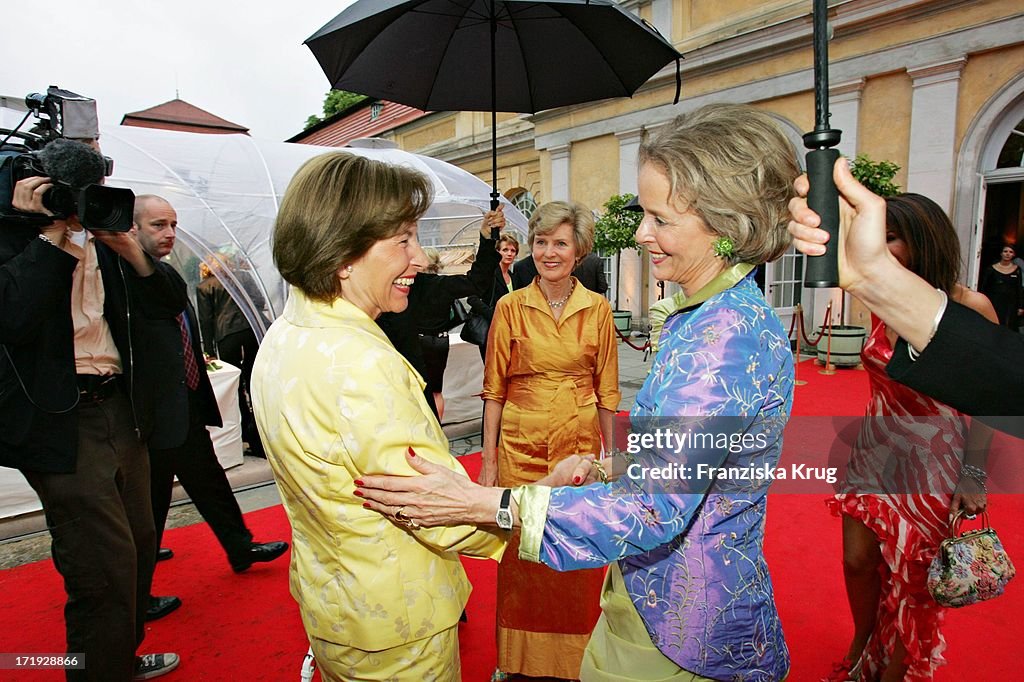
[(72, 162)]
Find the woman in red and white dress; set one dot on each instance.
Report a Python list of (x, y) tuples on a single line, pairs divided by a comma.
[(916, 461)]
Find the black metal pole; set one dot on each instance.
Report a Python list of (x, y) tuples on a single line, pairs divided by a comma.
[(823, 198), (494, 110)]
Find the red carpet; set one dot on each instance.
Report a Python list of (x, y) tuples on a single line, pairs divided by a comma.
[(246, 627)]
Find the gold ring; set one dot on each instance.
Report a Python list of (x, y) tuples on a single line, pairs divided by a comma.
[(598, 467), (404, 519)]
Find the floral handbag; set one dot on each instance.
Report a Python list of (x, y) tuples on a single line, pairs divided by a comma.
[(970, 567)]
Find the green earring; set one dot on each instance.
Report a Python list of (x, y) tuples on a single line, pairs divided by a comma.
[(723, 247)]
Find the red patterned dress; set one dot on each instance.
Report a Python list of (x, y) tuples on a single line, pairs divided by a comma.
[(909, 446)]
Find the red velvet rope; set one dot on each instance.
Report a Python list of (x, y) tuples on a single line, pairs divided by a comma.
[(630, 344), (793, 324), (821, 332)]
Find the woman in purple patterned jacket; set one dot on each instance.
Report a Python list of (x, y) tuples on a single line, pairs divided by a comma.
[(688, 596)]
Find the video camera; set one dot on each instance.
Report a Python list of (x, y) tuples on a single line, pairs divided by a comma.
[(76, 169)]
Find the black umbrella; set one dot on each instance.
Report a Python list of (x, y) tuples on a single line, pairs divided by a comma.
[(490, 55)]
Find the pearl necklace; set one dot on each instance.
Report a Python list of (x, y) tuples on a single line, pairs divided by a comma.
[(560, 302)]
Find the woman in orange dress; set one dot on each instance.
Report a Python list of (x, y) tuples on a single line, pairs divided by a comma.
[(551, 389)]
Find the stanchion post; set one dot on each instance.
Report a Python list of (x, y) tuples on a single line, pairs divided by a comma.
[(799, 335), (830, 369)]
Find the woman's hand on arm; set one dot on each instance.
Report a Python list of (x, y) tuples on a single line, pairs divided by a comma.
[(439, 497)]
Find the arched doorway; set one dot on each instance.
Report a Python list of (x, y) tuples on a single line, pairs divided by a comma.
[(990, 180), (522, 199)]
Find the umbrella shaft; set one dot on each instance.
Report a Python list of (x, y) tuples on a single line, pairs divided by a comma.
[(820, 17), (494, 109)]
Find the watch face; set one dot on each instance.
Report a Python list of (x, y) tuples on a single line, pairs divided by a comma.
[(504, 519)]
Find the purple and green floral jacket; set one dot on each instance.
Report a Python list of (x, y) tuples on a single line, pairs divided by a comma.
[(691, 554)]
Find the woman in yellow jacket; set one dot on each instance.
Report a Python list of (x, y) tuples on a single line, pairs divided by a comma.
[(335, 401)]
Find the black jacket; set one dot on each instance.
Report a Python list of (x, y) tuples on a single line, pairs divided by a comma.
[(430, 303), (163, 340), (972, 365), (38, 388)]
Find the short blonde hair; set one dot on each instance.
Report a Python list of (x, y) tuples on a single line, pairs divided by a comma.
[(433, 260), (336, 207), (735, 168), (549, 216)]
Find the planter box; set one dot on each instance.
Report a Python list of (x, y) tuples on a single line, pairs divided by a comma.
[(847, 342), (622, 318)]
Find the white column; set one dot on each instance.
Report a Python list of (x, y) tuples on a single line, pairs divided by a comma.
[(629, 146), (661, 17), (630, 276), (559, 173), (930, 169), (844, 105)]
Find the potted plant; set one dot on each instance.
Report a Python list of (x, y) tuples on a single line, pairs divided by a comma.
[(614, 231), (847, 340)]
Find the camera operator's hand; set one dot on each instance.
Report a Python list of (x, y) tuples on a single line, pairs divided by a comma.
[(126, 245), (28, 195), (28, 198)]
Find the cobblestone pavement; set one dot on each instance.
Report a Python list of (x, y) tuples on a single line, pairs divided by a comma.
[(633, 368)]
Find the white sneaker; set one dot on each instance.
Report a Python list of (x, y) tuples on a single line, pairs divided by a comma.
[(154, 665)]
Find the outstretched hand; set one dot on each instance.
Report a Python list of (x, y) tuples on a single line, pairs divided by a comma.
[(574, 470)]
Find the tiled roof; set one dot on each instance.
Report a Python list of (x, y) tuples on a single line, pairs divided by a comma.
[(359, 123), (182, 116)]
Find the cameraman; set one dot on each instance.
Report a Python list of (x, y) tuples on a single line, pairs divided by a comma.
[(74, 414)]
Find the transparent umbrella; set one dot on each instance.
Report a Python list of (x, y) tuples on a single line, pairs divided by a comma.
[(226, 190)]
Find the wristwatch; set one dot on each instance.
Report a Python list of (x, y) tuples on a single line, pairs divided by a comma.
[(504, 516)]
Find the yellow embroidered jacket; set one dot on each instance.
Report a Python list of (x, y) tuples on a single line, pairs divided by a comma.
[(334, 401)]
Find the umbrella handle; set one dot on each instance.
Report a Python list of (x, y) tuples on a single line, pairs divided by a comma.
[(823, 198)]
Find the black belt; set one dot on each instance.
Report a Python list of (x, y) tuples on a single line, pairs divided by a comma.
[(93, 388), (439, 335)]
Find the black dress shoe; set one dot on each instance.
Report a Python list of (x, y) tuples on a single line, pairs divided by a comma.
[(257, 553), (163, 554), (161, 606)]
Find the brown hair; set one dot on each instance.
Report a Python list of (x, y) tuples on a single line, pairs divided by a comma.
[(336, 207), (508, 238), (933, 249), (549, 216), (734, 167)]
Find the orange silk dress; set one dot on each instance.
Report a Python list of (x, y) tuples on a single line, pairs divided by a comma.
[(551, 378)]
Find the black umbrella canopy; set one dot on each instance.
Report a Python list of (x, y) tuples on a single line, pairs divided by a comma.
[(435, 55)]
